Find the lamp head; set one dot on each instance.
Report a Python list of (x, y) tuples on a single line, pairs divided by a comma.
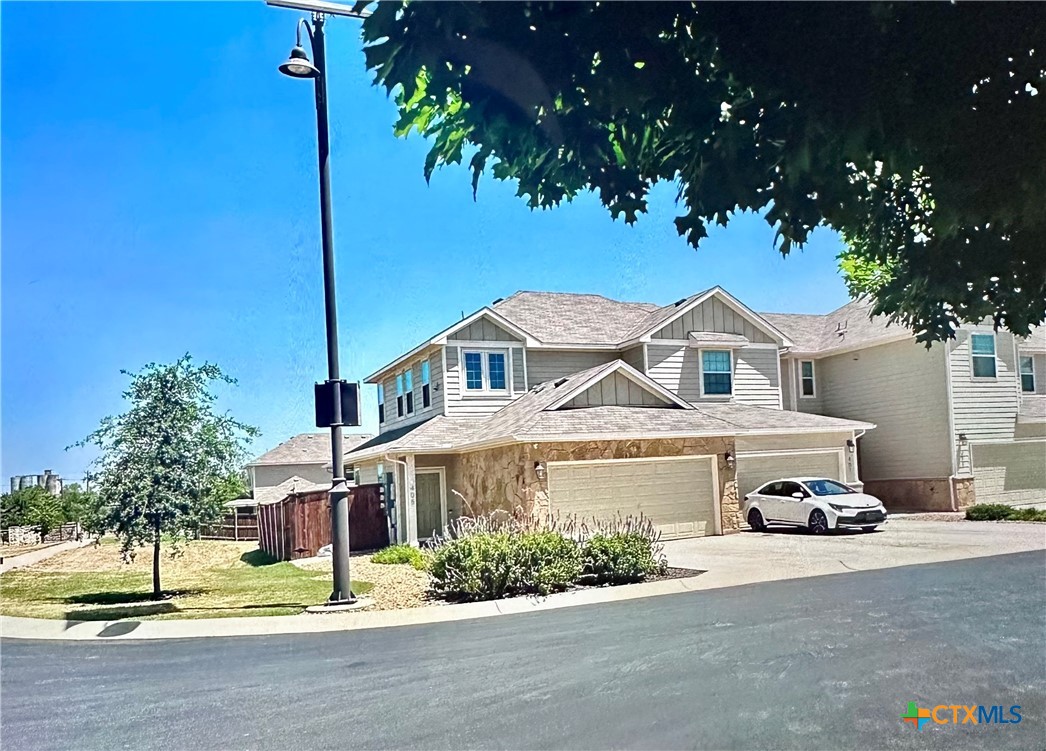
[(298, 65)]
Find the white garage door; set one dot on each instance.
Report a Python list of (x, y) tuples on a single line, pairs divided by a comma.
[(677, 495), (755, 469)]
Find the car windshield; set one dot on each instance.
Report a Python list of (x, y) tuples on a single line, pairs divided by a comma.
[(827, 487)]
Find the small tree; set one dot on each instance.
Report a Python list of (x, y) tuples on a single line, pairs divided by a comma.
[(77, 504), (165, 463), (31, 507)]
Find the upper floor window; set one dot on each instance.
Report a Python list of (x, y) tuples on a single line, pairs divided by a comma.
[(716, 372), (806, 371), (408, 387), (399, 395), (485, 371), (426, 396), (381, 403), (1027, 375), (982, 351)]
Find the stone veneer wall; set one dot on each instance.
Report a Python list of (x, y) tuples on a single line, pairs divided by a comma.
[(505, 478)]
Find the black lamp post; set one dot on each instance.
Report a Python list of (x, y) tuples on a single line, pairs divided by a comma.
[(332, 409)]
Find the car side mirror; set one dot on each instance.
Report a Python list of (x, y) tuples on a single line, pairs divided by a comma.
[(798, 495)]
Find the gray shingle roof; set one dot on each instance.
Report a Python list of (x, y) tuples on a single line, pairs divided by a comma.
[(564, 318), (849, 326), (306, 448)]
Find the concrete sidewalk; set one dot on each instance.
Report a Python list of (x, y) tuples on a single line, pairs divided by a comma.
[(35, 556), (729, 561)]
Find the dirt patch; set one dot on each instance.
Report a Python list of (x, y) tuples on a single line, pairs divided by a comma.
[(105, 557), (396, 585)]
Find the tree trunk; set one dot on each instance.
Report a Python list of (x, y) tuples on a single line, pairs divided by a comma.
[(157, 592)]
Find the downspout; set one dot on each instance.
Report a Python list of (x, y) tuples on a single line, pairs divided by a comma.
[(857, 466), (947, 347)]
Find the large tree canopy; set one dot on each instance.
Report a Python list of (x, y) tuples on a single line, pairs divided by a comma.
[(918, 131)]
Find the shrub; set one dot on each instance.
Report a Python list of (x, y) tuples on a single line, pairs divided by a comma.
[(618, 558), (1000, 511), (487, 565), (402, 554)]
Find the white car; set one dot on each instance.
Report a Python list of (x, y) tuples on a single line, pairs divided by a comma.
[(817, 503)]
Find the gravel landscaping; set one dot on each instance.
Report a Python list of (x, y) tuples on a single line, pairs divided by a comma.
[(396, 585)]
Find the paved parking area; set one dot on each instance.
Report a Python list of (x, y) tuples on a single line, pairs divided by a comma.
[(750, 557)]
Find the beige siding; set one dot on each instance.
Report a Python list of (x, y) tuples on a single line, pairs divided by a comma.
[(483, 330), (788, 367), (368, 472), (1010, 472), (985, 409), (711, 315), (755, 377), (901, 387), (273, 474), (462, 403), (634, 357), (436, 391), (675, 367), (791, 442), (548, 365), (617, 390)]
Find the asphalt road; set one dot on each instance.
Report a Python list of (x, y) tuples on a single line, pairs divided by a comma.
[(823, 663)]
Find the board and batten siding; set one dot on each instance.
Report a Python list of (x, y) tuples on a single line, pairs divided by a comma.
[(550, 365), (483, 330), (437, 389), (677, 368), (711, 315), (985, 409), (634, 357), (461, 403), (618, 390), (901, 387), (755, 377)]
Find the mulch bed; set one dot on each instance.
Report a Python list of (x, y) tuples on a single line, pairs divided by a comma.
[(676, 573)]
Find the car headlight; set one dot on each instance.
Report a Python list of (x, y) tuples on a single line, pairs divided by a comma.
[(837, 507)]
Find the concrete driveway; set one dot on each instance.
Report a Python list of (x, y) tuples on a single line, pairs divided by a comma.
[(750, 557)]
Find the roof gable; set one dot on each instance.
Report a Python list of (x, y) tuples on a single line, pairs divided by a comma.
[(616, 384), (714, 310)]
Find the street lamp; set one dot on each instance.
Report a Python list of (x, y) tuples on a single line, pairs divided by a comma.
[(337, 402)]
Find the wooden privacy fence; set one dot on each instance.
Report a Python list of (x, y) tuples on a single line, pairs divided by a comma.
[(300, 524), (233, 527)]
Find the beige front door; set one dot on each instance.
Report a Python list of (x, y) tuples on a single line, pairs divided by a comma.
[(677, 494), (431, 502)]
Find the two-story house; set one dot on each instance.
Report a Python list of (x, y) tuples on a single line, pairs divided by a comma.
[(958, 422), (578, 404)]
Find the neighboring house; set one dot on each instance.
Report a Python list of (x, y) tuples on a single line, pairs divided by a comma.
[(298, 464), (578, 404), (958, 422)]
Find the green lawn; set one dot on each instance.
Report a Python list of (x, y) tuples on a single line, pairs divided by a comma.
[(212, 579)]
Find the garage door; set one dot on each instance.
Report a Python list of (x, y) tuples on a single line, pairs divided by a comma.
[(754, 469), (1013, 472), (677, 495)]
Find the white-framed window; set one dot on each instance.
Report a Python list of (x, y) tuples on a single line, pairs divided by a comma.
[(408, 387), (486, 370), (717, 372), (381, 403), (399, 395), (1027, 374), (426, 394), (807, 381), (982, 353)]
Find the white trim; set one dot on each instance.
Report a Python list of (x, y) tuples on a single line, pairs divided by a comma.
[(620, 366), (497, 318), (701, 372), (442, 472), (1021, 374), (953, 448), (410, 499), (577, 346), (582, 462), (526, 378), (646, 361), (484, 360), (994, 356), (780, 384), (813, 379), (1031, 439)]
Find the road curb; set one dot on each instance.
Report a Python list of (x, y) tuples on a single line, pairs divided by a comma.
[(12, 627)]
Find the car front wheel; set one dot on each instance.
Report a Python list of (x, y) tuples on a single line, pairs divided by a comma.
[(818, 523), (755, 520)]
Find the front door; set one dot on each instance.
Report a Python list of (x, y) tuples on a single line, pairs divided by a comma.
[(429, 486)]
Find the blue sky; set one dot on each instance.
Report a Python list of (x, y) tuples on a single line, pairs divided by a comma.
[(159, 197)]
